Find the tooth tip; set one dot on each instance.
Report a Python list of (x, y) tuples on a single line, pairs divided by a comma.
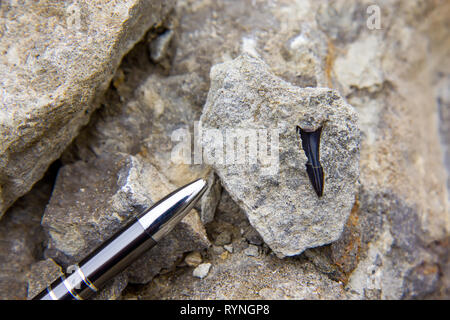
[(316, 178)]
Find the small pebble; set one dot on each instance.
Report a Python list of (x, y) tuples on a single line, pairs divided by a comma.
[(217, 249), (202, 270), (193, 259), (253, 237), (252, 251), (229, 248), (223, 238), (225, 255)]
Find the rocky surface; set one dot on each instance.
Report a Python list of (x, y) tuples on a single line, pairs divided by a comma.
[(395, 241), (238, 275), (22, 239), (56, 62), (281, 204)]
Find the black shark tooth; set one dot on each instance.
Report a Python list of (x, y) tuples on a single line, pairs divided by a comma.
[(310, 145)]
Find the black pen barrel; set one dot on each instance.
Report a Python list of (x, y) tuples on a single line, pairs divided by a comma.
[(104, 263)]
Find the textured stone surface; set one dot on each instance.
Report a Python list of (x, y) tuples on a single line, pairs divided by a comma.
[(56, 62), (22, 239), (92, 200), (282, 206), (202, 270), (42, 274), (239, 276), (170, 105)]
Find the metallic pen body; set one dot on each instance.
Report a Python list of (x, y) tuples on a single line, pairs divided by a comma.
[(114, 255)]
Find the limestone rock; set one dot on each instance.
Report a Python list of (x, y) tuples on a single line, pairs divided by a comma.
[(57, 60), (202, 270), (92, 200), (244, 277), (22, 239), (193, 259), (41, 275), (281, 204)]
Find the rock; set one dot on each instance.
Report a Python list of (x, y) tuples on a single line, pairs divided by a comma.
[(397, 106), (167, 103), (41, 275), (56, 63), (360, 67), (217, 249), (443, 102), (210, 200), (253, 236), (252, 251), (224, 255), (223, 238), (242, 277), (193, 259), (202, 270), (280, 202), (44, 272), (22, 239), (395, 241), (229, 248), (159, 48), (91, 200)]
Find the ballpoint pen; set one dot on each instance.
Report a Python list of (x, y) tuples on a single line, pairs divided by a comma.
[(114, 255)]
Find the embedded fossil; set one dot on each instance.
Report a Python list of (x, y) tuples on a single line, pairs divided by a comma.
[(310, 145)]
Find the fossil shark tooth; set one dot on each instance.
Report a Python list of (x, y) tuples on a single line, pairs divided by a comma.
[(310, 145)]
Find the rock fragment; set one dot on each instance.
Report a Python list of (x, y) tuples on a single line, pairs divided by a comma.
[(22, 239), (223, 238), (56, 64), (252, 251), (202, 270), (193, 259), (279, 199)]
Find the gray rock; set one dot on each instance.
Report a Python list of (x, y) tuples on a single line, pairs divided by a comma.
[(210, 200), (281, 203), (202, 270), (217, 249), (229, 248), (253, 236), (243, 277), (223, 238), (56, 63), (193, 259), (172, 107), (22, 239), (92, 200), (252, 251), (395, 241), (160, 46), (41, 275)]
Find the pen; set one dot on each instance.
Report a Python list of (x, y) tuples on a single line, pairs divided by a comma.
[(113, 256)]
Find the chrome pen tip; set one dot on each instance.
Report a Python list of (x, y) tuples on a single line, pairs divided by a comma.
[(162, 217), (195, 188)]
